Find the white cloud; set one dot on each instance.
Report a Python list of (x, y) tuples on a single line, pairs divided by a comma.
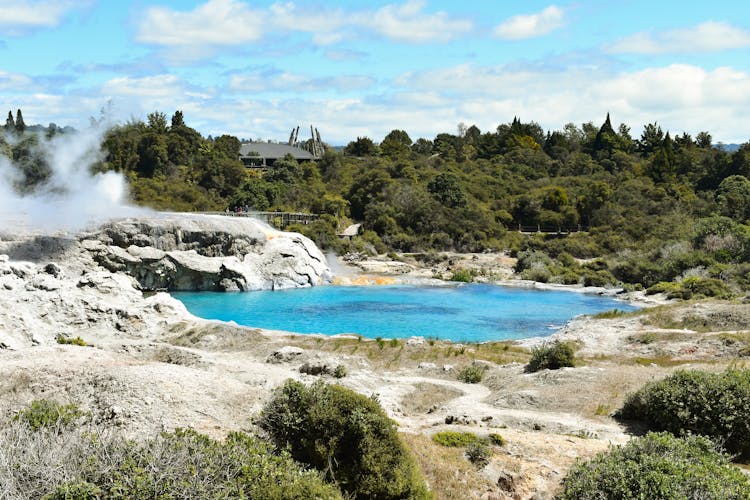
[(218, 23), (680, 97), (710, 36), (14, 82), (283, 81), (149, 86), (408, 23), (531, 25), (19, 16)]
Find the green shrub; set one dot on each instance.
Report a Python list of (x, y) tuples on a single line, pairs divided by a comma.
[(91, 461), (692, 287), (538, 274), (43, 413), (496, 439), (598, 278), (691, 401), (61, 339), (76, 491), (454, 439), (462, 275), (473, 373), (551, 356), (657, 466), (478, 454), (346, 435), (340, 371)]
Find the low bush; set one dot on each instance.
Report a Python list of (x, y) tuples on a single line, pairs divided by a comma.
[(691, 401), (340, 371), (551, 356), (57, 461), (345, 435), (690, 287), (478, 454), (61, 339), (472, 374), (657, 465), (454, 439), (496, 439), (43, 413), (462, 275)]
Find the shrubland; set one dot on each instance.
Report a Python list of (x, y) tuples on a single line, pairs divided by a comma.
[(716, 405), (657, 465)]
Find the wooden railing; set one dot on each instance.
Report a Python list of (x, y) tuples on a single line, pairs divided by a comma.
[(279, 220)]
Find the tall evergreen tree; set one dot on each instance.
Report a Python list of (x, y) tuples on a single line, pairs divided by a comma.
[(20, 125), (10, 124)]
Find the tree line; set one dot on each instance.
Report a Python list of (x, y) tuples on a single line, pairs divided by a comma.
[(654, 206)]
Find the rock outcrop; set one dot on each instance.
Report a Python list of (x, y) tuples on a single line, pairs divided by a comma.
[(213, 253), (98, 284)]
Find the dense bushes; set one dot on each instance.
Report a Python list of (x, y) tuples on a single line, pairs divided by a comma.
[(473, 373), (690, 401), (44, 457), (551, 356), (657, 466), (346, 435), (692, 287)]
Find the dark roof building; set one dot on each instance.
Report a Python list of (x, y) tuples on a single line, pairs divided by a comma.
[(264, 154)]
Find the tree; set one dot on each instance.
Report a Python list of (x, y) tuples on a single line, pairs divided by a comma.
[(228, 146), (703, 140), (157, 122), (177, 119), (446, 189), (10, 124), (20, 125), (733, 197), (395, 144), (606, 140), (651, 139), (363, 146)]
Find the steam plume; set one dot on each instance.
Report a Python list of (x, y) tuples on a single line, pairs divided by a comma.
[(71, 198)]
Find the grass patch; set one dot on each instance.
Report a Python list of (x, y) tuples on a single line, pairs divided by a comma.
[(454, 439), (61, 339), (613, 313), (473, 373)]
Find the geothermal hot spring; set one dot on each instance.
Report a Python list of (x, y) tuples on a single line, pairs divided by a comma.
[(465, 313)]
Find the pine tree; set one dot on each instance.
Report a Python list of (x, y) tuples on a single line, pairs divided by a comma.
[(10, 124), (20, 125)]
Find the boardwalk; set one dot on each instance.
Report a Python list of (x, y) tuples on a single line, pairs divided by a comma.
[(551, 230), (279, 220)]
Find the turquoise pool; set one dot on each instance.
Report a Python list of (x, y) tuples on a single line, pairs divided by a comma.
[(465, 313)]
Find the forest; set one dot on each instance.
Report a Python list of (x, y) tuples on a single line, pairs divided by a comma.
[(660, 211)]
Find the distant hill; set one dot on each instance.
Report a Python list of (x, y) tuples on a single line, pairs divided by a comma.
[(729, 148)]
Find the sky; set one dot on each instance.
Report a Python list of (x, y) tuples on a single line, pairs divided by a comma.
[(256, 69)]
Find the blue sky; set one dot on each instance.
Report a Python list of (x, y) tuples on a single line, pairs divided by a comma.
[(256, 69)]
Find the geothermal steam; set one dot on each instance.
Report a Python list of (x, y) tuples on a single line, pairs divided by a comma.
[(72, 198)]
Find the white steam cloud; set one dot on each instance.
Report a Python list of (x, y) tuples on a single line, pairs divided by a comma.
[(71, 198)]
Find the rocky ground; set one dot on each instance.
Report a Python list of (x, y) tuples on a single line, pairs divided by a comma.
[(149, 365)]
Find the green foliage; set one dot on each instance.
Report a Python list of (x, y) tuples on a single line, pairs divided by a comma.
[(346, 435), (71, 341), (551, 356), (496, 439), (473, 373), (43, 413), (478, 454), (657, 466), (76, 491), (340, 371), (690, 401), (692, 287), (454, 439), (462, 275)]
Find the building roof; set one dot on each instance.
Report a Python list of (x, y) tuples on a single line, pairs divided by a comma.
[(273, 150)]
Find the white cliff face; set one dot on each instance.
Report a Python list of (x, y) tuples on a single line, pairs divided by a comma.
[(193, 252), (93, 284)]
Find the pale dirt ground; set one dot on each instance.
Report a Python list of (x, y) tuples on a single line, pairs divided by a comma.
[(215, 378)]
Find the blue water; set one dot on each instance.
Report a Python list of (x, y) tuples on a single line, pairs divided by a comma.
[(467, 313)]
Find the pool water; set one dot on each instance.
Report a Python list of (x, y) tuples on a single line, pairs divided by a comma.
[(465, 313)]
